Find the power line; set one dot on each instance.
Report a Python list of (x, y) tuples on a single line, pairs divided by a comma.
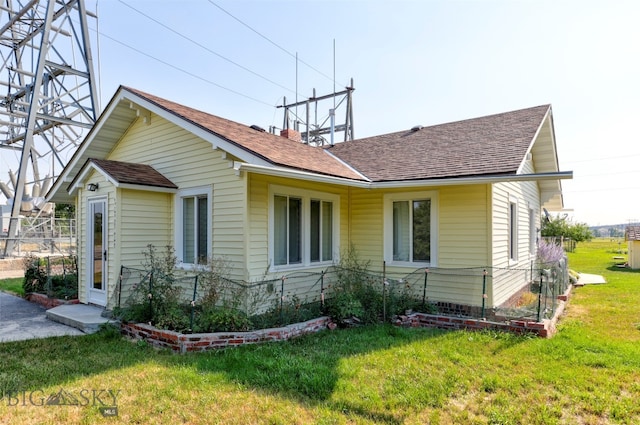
[(205, 47), (603, 159), (617, 173), (293, 55), (608, 189), (185, 71)]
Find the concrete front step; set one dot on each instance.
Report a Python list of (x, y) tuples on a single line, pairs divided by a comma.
[(85, 317)]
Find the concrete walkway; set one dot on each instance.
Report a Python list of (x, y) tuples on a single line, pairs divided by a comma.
[(590, 279), (21, 320)]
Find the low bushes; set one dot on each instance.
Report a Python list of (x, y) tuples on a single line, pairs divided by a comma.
[(210, 302), (56, 277)]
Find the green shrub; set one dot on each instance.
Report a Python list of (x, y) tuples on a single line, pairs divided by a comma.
[(64, 286), (293, 310), (344, 306), (214, 319), (173, 316), (35, 275)]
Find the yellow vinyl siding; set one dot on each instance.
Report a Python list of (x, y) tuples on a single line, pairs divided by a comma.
[(509, 275), (188, 162), (463, 227), (367, 226), (149, 217)]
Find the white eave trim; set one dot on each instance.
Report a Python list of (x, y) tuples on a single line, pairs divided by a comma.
[(320, 178), (146, 188), (297, 174)]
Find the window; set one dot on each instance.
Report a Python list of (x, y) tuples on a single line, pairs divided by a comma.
[(533, 231), (194, 226), (287, 212), (513, 231), (321, 232), (303, 227), (410, 223)]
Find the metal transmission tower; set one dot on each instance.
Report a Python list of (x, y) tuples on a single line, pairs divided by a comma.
[(48, 99), (313, 132)]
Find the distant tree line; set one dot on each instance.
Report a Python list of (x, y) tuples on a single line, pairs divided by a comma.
[(561, 227)]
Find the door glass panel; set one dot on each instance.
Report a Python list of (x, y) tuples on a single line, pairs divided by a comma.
[(98, 249)]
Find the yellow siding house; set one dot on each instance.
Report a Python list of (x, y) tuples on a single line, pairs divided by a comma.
[(466, 194)]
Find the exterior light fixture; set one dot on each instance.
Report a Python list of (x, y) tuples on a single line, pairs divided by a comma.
[(92, 187)]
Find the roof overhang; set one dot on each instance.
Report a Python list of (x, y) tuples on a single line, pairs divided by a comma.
[(451, 181), (81, 178), (124, 108)]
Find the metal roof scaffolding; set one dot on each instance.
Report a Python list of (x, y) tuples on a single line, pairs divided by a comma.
[(49, 98), (313, 131)]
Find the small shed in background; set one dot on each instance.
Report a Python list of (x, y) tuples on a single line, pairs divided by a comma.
[(632, 236)]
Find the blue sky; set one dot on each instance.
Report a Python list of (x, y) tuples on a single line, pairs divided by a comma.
[(413, 62)]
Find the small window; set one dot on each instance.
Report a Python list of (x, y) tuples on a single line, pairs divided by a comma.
[(533, 232), (410, 228), (513, 231), (193, 227)]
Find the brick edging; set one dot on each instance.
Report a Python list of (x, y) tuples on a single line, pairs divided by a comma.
[(47, 302), (184, 343), (544, 329)]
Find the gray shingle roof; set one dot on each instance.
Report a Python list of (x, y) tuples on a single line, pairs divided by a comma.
[(632, 233), (490, 145)]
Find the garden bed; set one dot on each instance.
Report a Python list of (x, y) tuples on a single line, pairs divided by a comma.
[(545, 328), (184, 343)]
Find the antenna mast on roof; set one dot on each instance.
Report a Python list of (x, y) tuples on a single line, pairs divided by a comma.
[(49, 101), (312, 132)]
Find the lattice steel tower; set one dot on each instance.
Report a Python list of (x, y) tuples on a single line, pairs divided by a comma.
[(48, 99)]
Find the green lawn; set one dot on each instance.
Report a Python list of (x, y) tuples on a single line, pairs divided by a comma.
[(589, 373), (12, 286)]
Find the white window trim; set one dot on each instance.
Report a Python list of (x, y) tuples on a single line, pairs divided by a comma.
[(389, 199), (185, 193), (306, 196)]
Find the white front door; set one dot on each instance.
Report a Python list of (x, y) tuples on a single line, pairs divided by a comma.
[(97, 252)]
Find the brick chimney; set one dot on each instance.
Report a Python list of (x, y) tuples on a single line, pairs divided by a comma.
[(291, 134)]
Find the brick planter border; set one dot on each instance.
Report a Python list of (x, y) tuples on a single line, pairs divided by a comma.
[(185, 343), (544, 329), (47, 302)]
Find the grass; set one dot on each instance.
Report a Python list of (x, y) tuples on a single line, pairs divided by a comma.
[(589, 373), (12, 286)]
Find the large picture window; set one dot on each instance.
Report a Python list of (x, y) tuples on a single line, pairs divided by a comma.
[(410, 228), (303, 227), (194, 226)]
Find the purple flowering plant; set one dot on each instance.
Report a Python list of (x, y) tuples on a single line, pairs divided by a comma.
[(549, 253)]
